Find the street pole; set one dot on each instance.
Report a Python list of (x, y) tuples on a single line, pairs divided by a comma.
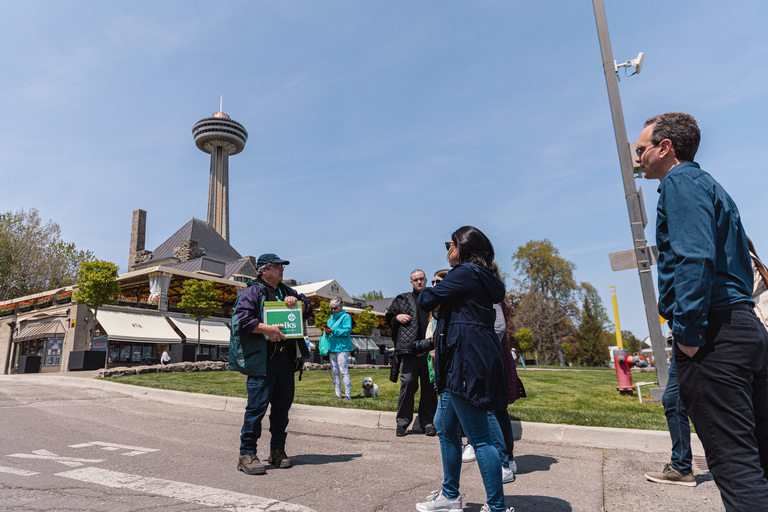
[(642, 251)]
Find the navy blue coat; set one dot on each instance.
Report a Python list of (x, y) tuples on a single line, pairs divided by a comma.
[(468, 356)]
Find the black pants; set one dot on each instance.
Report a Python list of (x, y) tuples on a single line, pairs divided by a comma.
[(414, 370), (725, 388)]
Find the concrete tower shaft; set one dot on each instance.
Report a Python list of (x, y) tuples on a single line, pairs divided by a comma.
[(219, 136)]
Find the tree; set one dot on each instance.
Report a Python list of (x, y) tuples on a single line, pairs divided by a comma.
[(372, 295), (547, 307), (592, 346), (525, 339), (198, 298), (97, 283), (365, 322), (33, 257), (323, 314), (630, 342)]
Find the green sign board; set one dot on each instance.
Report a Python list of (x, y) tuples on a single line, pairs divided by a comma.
[(275, 313)]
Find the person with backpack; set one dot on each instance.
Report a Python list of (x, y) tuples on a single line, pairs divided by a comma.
[(261, 352)]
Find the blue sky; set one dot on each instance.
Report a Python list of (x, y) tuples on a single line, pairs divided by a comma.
[(376, 128)]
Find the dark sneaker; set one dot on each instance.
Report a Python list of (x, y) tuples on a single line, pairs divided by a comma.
[(672, 476), (251, 465), (279, 459), (400, 431), (430, 431)]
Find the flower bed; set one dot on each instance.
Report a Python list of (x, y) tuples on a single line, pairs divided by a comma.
[(44, 302), (122, 300), (63, 298), (8, 309)]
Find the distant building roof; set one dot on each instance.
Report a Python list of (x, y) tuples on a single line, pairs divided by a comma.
[(380, 304), (216, 248), (328, 289)]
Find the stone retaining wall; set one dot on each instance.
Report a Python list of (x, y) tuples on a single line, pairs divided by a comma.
[(204, 366)]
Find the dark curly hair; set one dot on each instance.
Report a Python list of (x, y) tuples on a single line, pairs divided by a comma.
[(474, 247), (679, 128)]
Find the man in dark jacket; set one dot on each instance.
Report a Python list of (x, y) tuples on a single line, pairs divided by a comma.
[(270, 381), (409, 324)]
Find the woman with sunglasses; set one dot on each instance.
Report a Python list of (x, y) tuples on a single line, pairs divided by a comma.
[(469, 366), (339, 331)]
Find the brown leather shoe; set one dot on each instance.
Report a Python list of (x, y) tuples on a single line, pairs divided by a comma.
[(279, 459), (251, 465)]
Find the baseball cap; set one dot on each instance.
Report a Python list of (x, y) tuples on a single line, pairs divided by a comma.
[(270, 258)]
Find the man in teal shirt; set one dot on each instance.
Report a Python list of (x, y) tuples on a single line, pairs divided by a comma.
[(705, 288)]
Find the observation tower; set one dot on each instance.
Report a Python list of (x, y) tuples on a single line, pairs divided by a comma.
[(219, 136)]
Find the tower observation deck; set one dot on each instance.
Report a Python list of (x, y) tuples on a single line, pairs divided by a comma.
[(220, 136)]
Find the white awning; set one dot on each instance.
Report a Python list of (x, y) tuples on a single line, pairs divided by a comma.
[(211, 331), (136, 328)]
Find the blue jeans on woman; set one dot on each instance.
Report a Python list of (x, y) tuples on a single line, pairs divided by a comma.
[(503, 436), (453, 411), (677, 422)]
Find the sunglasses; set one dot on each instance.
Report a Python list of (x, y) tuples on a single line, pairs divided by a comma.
[(448, 245)]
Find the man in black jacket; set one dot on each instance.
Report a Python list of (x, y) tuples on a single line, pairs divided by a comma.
[(409, 323)]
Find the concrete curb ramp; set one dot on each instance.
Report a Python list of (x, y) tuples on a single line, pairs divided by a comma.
[(652, 441)]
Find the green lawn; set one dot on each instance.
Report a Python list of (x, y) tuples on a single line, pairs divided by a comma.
[(560, 396)]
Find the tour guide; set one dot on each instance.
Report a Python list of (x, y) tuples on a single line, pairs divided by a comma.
[(269, 364)]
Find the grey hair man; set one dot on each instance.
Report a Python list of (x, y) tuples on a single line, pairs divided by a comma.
[(409, 324), (705, 288)]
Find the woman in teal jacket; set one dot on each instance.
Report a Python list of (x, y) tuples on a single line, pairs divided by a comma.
[(339, 329)]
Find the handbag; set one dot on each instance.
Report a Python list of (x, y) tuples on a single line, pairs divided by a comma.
[(323, 345)]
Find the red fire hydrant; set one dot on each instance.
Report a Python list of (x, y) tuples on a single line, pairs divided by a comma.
[(623, 363)]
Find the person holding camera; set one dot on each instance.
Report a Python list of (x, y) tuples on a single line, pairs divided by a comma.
[(409, 324), (469, 366)]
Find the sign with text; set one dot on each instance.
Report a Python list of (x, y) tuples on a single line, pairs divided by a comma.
[(276, 313)]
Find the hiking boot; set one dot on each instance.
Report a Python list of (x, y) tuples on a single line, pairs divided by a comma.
[(468, 454), (251, 465), (279, 459), (430, 431), (507, 475), (436, 502), (672, 476)]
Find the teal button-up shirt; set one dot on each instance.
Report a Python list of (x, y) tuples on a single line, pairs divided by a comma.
[(703, 255)]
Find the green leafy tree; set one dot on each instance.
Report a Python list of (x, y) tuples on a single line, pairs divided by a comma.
[(630, 342), (323, 314), (33, 257), (593, 349), (547, 307), (524, 339), (365, 322), (372, 295), (199, 299), (97, 283)]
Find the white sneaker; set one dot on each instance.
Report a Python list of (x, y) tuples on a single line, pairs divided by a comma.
[(436, 502), (468, 455), (486, 508), (507, 476), (513, 466)]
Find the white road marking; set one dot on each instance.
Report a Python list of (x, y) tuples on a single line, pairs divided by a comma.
[(14, 471), (202, 495), (136, 450), (46, 455)]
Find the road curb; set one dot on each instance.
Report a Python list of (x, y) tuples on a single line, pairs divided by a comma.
[(652, 441)]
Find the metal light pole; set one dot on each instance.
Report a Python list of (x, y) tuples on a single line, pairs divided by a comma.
[(642, 251)]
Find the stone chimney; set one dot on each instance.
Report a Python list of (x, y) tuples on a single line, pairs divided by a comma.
[(136, 253)]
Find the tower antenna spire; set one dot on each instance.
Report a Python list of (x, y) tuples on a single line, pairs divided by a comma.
[(221, 100)]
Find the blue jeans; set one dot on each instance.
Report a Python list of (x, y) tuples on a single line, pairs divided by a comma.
[(725, 388), (276, 388), (677, 422), (455, 410), (503, 436)]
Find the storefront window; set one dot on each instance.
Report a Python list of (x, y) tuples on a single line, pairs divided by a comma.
[(114, 353), (136, 354), (53, 351), (125, 354), (147, 351)]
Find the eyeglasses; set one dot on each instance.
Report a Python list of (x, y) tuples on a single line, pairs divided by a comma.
[(276, 265), (435, 281), (448, 245), (640, 151)]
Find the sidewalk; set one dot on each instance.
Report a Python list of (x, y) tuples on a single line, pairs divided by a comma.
[(649, 441)]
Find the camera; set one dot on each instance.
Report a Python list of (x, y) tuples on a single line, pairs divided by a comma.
[(423, 346)]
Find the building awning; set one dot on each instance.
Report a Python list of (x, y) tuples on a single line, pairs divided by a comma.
[(41, 330), (136, 328), (363, 343), (211, 331)]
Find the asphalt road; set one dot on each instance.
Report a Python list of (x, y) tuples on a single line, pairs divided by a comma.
[(70, 448)]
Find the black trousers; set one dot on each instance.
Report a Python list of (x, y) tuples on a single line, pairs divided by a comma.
[(725, 388), (414, 371)]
